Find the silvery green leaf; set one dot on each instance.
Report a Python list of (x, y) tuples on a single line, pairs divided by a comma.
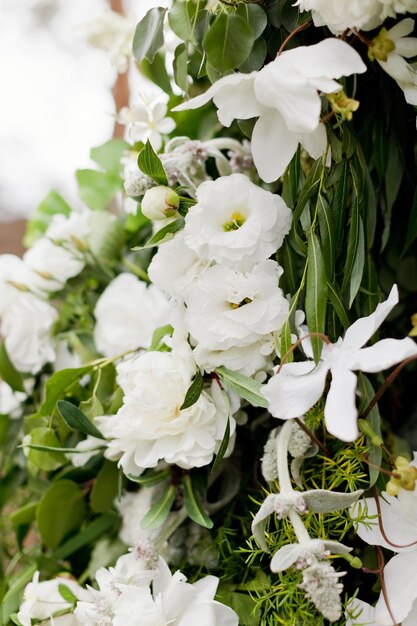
[(259, 521), (323, 501), (286, 556), (296, 464), (335, 547)]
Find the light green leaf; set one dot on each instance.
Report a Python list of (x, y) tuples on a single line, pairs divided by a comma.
[(182, 19), (158, 336), (223, 446), (43, 458), (245, 387), (358, 265), (53, 204), (86, 536), (61, 511), (180, 66), (105, 488), (228, 42), (97, 189), (57, 385), (12, 598), (150, 164), (152, 478), (162, 236), (149, 35), (8, 372), (324, 501), (193, 392), (193, 504), (76, 419), (160, 509), (109, 154), (316, 294)]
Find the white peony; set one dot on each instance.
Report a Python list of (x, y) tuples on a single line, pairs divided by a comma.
[(341, 14), (150, 426), (160, 202), (26, 326), (236, 220), (127, 314), (227, 308), (175, 267), (249, 360)]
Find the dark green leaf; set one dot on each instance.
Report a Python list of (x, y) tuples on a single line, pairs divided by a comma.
[(157, 73), (194, 391), (180, 66), (86, 536), (194, 505), (182, 19), (165, 234), (61, 511), (327, 228), (53, 204), (245, 387), (8, 372), (256, 58), (150, 164), (254, 15), (76, 419), (412, 225), (310, 187), (316, 294), (228, 42), (160, 509), (105, 488), (375, 452), (339, 205), (149, 35), (223, 446), (339, 307), (150, 479)]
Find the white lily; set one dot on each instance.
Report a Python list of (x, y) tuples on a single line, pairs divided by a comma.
[(283, 95), (298, 386), (395, 63)]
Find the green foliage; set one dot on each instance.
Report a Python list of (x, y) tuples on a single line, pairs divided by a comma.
[(149, 163), (53, 204), (60, 512), (8, 372), (76, 419), (193, 392), (160, 509), (247, 388), (194, 504), (149, 36)]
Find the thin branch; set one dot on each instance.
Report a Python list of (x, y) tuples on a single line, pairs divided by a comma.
[(381, 525), (312, 436), (388, 381), (292, 35), (381, 563), (298, 342)]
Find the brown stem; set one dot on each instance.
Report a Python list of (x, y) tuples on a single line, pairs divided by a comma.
[(327, 117), (361, 37), (298, 342), (292, 35), (381, 563), (388, 453), (381, 525), (312, 436), (121, 86), (381, 469), (388, 381)]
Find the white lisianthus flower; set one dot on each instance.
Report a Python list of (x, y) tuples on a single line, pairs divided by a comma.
[(150, 426), (236, 220), (26, 326), (395, 64), (227, 308), (283, 95), (127, 314), (175, 267), (147, 120), (10, 401), (298, 386), (160, 202), (42, 600), (113, 33)]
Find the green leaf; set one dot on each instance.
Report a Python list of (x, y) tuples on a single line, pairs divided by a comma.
[(105, 488), (76, 419), (86, 536), (223, 446), (165, 234), (97, 189), (159, 335), (53, 204), (256, 59), (339, 307), (339, 205), (286, 343), (149, 35), (12, 598), (47, 460), (180, 66), (255, 16), (150, 164), (109, 154), (245, 387), (194, 391), (67, 594), (310, 187), (8, 372), (326, 217), (24, 515), (358, 265), (57, 385), (316, 294), (157, 73), (228, 42), (193, 504), (375, 452), (150, 479), (182, 19), (61, 511), (352, 244), (160, 509), (107, 236)]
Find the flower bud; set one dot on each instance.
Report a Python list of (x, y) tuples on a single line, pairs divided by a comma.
[(406, 477), (160, 202)]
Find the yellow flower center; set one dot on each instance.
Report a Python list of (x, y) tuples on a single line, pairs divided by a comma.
[(237, 220), (406, 477), (343, 105), (234, 305), (381, 46)]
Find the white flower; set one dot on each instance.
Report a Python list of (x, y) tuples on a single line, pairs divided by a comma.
[(298, 386), (160, 202), (52, 264), (235, 220), (175, 267), (112, 33), (42, 600), (342, 14), (26, 326), (87, 449), (361, 613), (396, 65), (147, 120), (14, 278), (133, 508), (10, 401), (283, 95), (127, 313), (150, 426), (321, 584), (249, 359), (228, 309)]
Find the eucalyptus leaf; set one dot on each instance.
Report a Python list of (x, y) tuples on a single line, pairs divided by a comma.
[(149, 35), (228, 42)]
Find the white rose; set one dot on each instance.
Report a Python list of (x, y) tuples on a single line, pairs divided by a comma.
[(127, 314), (228, 309), (150, 426), (26, 326), (236, 220), (175, 267), (159, 203)]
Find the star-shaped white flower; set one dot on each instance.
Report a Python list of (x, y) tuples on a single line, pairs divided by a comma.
[(284, 96), (147, 120), (298, 386)]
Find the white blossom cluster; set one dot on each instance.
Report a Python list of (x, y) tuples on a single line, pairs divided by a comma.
[(219, 267), (139, 589)]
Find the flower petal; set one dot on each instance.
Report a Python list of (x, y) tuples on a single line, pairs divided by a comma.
[(316, 142), (259, 521), (273, 145), (406, 47), (363, 329), (286, 556), (400, 576), (331, 58), (297, 388), (402, 29), (383, 354), (340, 413)]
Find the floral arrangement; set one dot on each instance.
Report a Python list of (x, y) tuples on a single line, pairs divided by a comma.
[(196, 417)]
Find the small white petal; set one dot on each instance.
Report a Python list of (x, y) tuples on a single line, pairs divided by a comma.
[(406, 47), (340, 412), (286, 556), (273, 145)]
